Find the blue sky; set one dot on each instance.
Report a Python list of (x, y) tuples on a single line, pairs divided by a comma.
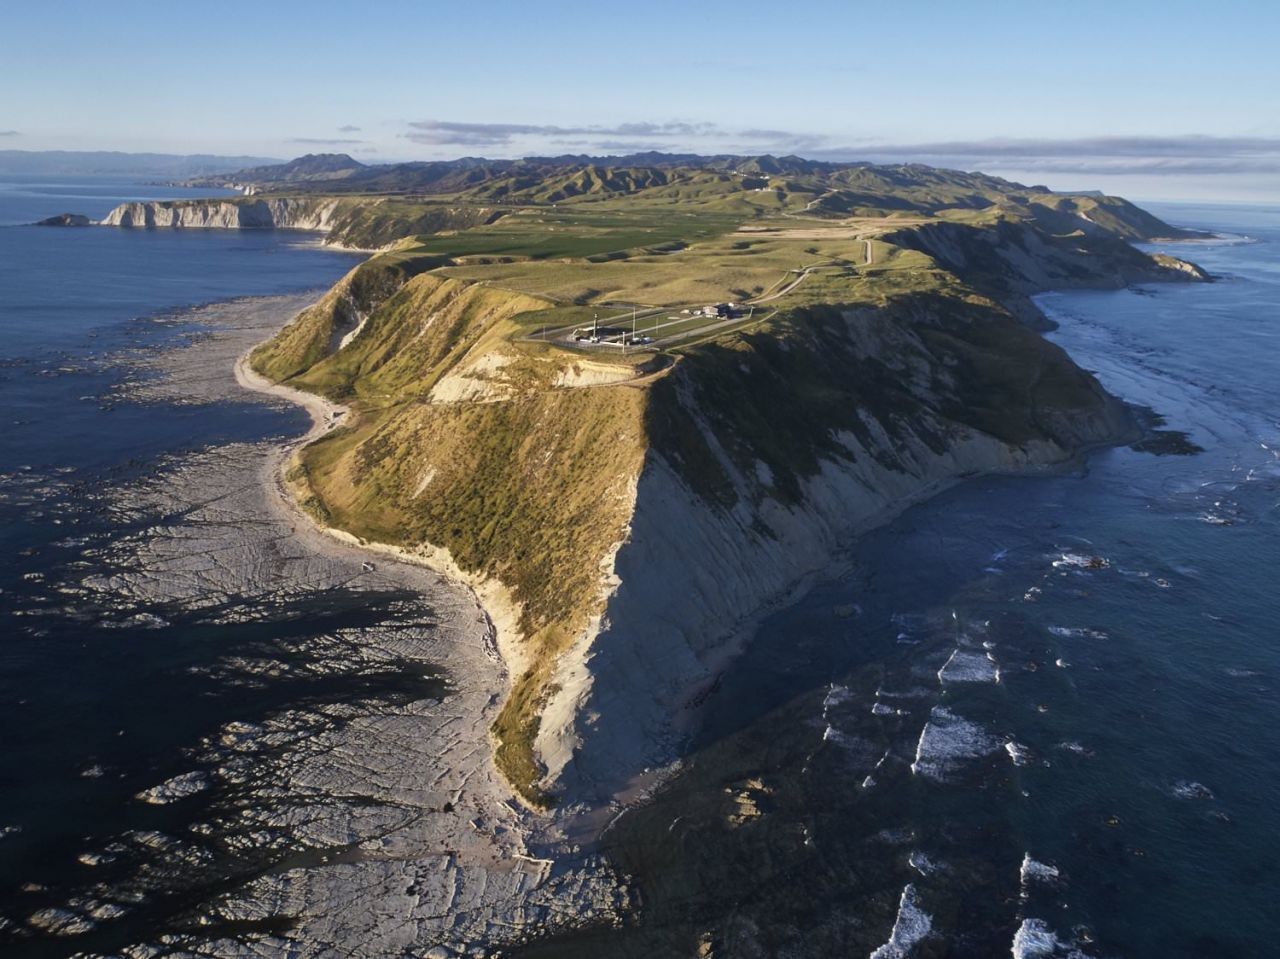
[(1156, 100)]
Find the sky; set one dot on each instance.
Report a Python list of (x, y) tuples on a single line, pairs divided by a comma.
[(1171, 100)]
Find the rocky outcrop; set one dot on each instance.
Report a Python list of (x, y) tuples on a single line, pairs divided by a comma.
[(1017, 256), (278, 214), (1011, 260), (358, 224), (66, 219), (1188, 270)]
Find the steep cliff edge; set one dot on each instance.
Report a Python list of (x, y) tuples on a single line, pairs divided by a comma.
[(363, 223), (624, 517), (766, 454), (1010, 259), (279, 214)]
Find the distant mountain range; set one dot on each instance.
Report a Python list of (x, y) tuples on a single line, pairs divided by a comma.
[(558, 178), (103, 162)]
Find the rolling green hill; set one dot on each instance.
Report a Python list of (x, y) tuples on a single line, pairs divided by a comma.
[(884, 333)]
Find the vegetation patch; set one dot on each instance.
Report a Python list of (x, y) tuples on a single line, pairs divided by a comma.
[(874, 315)]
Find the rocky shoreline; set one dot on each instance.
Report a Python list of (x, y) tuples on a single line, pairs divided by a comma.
[(353, 828), (390, 827)]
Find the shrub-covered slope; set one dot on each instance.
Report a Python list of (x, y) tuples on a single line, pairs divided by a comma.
[(621, 515)]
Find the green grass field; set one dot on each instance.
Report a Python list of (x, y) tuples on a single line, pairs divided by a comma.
[(520, 454)]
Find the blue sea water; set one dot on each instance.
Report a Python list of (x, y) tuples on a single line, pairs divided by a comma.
[(79, 689), (1034, 716), (69, 297)]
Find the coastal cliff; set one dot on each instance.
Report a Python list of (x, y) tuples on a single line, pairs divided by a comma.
[(277, 214), (766, 456), (625, 519), (360, 224)]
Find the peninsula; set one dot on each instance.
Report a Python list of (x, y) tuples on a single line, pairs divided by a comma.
[(635, 402)]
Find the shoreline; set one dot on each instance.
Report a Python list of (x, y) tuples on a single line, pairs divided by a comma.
[(518, 871), (587, 822), (326, 416), (500, 613), (684, 725), (522, 872)]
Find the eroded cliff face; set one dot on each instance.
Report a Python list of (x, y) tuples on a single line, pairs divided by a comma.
[(509, 465), (764, 458), (284, 213), (1013, 259), (354, 223), (625, 519)]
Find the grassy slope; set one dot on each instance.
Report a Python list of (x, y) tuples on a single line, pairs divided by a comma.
[(533, 486), (533, 490)]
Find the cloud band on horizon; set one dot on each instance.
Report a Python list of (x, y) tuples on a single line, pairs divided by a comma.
[(1153, 155)]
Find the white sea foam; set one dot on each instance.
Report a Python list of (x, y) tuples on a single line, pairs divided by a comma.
[(1189, 789), (924, 864), (945, 740), (1081, 561), (1018, 753), (911, 926), (915, 692), (880, 709), (1035, 939), (1035, 871), (836, 695), (968, 666), (839, 738), (1077, 632)]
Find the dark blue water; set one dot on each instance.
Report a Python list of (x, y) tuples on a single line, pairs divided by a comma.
[(70, 297), (83, 687), (1107, 706)]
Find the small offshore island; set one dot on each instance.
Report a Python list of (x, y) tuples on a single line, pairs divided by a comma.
[(636, 403)]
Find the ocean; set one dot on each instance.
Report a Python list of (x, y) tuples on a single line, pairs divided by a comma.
[(1034, 716), (105, 695)]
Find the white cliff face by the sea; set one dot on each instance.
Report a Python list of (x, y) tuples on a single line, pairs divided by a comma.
[(691, 581), (276, 214)]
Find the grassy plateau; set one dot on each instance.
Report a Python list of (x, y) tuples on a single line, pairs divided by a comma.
[(889, 295)]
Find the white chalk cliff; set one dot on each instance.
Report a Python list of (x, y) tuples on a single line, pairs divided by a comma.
[(286, 213)]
